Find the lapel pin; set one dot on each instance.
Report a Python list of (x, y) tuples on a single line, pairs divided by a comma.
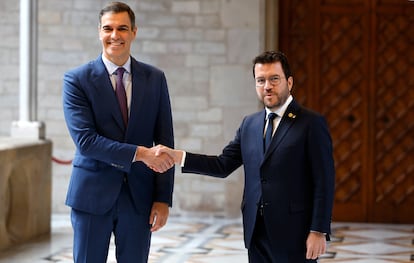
[(291, 115)]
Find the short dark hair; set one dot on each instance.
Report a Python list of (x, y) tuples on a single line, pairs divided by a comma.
[(118, 7), (269, 57)]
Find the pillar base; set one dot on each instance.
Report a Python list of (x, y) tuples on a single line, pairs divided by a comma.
[(25, 190), (28, 129)]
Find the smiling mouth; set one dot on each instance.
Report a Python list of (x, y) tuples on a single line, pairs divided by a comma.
[(116, 44)]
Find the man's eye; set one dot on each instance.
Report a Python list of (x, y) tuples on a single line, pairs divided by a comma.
[(123, 29), (275, 78)]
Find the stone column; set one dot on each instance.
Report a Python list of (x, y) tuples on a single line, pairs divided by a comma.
[(27, 126)]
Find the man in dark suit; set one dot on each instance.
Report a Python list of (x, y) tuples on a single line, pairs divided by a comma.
[(116, 108), (289, 184)]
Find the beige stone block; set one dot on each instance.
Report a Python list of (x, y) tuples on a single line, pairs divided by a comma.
[(190, 7), (246, 15), (25, 190), (232, 86)]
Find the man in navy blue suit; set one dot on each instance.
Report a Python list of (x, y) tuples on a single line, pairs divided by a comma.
[(286, 151), (116, 108)]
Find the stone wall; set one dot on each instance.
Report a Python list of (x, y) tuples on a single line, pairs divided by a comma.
[(205, 48)]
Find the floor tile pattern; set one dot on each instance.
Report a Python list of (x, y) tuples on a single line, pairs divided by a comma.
[(213, 240), (371, 243)]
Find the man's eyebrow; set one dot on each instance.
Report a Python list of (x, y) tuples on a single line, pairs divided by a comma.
[(121, 26)]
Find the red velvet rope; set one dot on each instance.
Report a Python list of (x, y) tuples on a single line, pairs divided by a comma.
[(60, 161)]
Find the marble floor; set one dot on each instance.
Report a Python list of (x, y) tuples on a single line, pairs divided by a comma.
[(212, 240)]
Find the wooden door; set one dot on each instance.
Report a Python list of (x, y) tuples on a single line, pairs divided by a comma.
[(353, 61)]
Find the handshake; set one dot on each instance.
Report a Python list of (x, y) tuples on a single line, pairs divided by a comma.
[(159, 158)]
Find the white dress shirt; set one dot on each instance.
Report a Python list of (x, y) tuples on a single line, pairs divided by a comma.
[(127, 80)]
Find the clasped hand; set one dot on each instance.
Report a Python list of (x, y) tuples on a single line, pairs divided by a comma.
[(159, 158)]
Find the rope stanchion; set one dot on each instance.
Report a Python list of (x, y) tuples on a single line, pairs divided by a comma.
[(60, 161)]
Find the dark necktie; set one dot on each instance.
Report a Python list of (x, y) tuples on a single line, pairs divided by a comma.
[(121, 94), (269, 130)]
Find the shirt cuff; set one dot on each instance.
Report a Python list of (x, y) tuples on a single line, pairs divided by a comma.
[(135, 155), (313, 231), (183, 159)]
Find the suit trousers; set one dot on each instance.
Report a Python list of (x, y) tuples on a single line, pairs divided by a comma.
[(261, 250), (131, 230)]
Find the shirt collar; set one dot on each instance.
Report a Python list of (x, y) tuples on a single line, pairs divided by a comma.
[(111, 67), (281, 110)]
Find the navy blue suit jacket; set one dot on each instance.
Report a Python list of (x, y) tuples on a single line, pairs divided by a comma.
[(295, 176), (105, 148)]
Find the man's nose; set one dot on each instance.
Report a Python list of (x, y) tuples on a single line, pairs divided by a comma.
[(267, 85), (115, 34)]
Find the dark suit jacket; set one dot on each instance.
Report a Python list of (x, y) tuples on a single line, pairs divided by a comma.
[(295, 177), (105, 148)]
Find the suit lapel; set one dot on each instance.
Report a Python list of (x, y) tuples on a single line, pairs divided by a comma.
[(100, 77), (259, 124), (285, 124), (139, 83)]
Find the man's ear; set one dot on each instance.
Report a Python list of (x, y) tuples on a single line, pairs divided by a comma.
[(290, 83)]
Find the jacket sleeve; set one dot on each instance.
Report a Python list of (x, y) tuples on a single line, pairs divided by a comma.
[(217, 166), (164, 135), (323, 174), (80, 121)]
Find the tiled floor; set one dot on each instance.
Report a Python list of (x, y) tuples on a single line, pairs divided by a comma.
[(201, 240)]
